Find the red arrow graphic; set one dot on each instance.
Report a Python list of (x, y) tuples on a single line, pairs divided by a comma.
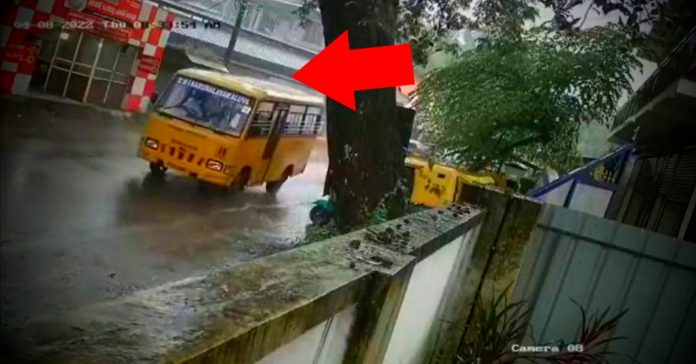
[(338, 71)]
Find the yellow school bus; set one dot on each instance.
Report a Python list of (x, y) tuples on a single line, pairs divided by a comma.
[(231, 131)]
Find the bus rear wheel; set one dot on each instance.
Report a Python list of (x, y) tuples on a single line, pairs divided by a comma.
[(157, 169), (272, 187)]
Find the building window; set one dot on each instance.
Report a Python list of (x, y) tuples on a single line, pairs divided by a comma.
[(213, 7), (661, 195), (269, 21), (96, 72), (250, 18)]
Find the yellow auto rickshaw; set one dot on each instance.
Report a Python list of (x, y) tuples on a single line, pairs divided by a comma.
[(432, 185), (437, 185)]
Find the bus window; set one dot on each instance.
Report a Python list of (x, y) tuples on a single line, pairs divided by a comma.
[(303, 120), (295, 120), (262, 123), (313, 119), (206, 105)]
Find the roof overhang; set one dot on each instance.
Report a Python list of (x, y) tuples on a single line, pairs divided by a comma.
[(667, 122)]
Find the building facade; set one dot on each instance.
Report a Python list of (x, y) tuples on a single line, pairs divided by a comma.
[(271, 44), (659, 121), (100, 52), (650, 181)]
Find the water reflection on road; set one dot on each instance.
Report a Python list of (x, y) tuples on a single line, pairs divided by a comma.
[(82, 221)]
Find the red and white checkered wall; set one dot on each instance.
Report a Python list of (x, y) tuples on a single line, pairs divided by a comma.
[(18, 55), (153, 40)]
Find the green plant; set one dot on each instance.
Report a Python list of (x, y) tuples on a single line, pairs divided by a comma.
[(315, 233), (595, 336), (497, 324)]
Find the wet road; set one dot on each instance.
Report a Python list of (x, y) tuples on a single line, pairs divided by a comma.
[(81, 221)]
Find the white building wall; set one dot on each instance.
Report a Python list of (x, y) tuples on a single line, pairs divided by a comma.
[(336, 342), (591, 200), (419, 309), (558, 195), (602, 264), (323, 344)]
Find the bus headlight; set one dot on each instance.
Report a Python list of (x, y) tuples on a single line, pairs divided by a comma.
[(151, 143), (214, 165)]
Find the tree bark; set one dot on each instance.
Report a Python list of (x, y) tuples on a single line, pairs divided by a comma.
[(366, 156)]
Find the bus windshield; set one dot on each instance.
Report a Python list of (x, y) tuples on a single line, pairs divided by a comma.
[(206, 105)]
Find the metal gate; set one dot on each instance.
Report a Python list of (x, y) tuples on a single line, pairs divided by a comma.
[(88, 68)]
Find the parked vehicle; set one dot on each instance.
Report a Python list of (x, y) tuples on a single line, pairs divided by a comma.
[(229, 131), (432, 185), (437, 184)]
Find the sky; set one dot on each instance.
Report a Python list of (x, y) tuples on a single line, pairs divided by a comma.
[(596, 19)]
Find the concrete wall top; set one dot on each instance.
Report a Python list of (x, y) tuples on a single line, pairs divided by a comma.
[(244, 312)]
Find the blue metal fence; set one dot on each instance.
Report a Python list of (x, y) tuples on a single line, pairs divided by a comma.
[(603, 173)]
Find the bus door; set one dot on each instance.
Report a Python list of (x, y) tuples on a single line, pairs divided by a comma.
[(280, 114)]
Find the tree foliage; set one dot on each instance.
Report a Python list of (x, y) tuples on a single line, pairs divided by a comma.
[(673, 19), (527, 97), (428, 25), (526, 89), (520, 92)]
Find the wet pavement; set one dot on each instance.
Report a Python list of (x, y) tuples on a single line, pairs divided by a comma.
[(82, 222)]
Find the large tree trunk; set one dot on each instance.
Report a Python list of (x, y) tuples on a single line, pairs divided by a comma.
[(366, 155)]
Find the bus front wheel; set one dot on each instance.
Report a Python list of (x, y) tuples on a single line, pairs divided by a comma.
[(157, 169), (241, 180)]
